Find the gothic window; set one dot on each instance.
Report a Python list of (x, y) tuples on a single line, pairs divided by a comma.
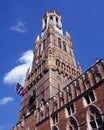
[(62, 65), (98, 77), (42, 102), (72, 124), (94, 119), (39, 49), (68, 90), (78, 90), (64, 46), (89, 98), (95, 69), (56, 20), (32, 98), (54, 128), (43, 44), (55, 118), (59, 42), (47, 108), (51, 19), (45, 20), (57, 62), (87, 84), (71, 109)]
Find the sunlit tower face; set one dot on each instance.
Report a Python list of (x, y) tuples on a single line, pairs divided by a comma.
[(54, 19)]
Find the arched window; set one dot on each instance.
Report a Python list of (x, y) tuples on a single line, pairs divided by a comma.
[(94, 119), (54, 128), (89, 98), (87, 84), (55, 118), (43, 44), (72, 124), (71, 109), (64, 46), (98, 77), (51, 19), (56, 19), (59, 42), (57, 62)]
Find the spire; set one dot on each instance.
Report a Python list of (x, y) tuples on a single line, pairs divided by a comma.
[(38, 38), (68, 36), (37, 41), (79, 67)]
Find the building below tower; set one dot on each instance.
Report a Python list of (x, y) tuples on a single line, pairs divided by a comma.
[(58, 95)]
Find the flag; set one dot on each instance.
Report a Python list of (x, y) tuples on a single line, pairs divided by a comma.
[(20, 89)]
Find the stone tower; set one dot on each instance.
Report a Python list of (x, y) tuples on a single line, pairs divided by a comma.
[(53, 65)]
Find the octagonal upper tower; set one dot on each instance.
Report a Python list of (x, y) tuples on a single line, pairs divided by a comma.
[(53, 18)]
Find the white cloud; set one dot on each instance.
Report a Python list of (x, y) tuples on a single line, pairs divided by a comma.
[(20, 27), (5, 100), (17, 74)]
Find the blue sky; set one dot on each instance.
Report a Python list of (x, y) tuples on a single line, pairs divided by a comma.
[(20, 23)]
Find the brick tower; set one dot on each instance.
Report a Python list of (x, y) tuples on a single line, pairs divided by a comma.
[(55, 86)]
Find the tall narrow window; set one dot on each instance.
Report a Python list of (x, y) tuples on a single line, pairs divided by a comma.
[(45, 20), (59, 42), (39, 49), (98, 77), (54, 128), (55, 118), (43, 44), (72, 124), (56, 20), (94, 119), (57, 62), (89, 98), (51, 19), (71, 109), (64, 46)]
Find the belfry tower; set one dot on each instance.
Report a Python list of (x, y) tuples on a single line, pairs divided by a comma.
[(53, 65)]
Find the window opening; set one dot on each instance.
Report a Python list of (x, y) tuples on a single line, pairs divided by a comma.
[(90, 97), (95, 119), (51, 18), (43, 44), (59, 42), (72, 124), (55, 118), (54, 128), (56, 19), (71, 109), (57, 62), (64, 46)]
